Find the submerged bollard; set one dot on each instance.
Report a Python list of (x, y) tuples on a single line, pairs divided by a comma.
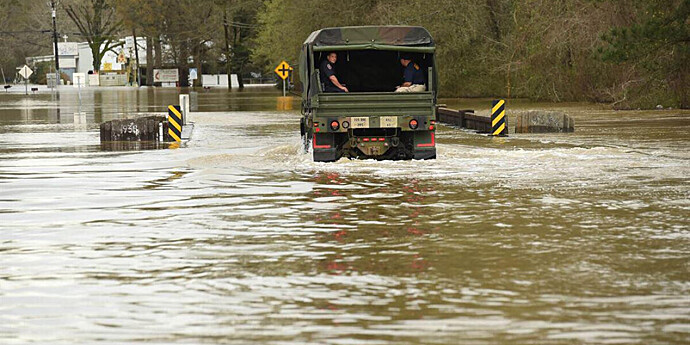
[(498, 118), (184, 108)]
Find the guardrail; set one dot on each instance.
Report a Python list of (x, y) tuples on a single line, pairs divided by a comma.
[(465, 119)]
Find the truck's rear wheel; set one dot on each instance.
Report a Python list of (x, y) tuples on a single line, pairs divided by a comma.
[(305, 144), (306, 136)]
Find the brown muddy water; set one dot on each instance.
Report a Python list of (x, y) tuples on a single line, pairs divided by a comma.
[(238, 238)]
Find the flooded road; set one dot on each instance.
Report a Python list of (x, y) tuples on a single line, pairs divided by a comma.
[(238, 238)]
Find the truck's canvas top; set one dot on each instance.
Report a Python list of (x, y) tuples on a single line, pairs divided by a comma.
[(368, 35)]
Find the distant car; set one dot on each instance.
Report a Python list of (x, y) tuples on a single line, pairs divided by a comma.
[(372, 120)]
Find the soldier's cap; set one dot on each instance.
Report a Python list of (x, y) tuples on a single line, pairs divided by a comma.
[(406, 57)]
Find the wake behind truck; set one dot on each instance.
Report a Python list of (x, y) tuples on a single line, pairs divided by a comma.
[(372, 120)]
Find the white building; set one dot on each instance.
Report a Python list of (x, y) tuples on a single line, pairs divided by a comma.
[(76, 57)]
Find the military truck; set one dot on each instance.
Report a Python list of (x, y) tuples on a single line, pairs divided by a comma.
[(372, 120)]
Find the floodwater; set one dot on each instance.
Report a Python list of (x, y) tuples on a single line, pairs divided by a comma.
[(238, 238)]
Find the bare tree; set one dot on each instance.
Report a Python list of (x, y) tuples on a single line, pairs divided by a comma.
[(98, 23)]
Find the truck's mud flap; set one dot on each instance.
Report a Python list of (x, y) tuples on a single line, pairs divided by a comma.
[(424, 145), (329, 155), (324, 148), (425, 154)]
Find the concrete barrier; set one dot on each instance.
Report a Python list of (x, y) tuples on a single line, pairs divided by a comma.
[(150, 128), (535, 121)]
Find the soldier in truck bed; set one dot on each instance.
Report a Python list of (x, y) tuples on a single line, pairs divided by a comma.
[(328, 78), (413, 77)]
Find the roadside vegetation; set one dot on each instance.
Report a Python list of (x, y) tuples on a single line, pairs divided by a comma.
[(626, 53)]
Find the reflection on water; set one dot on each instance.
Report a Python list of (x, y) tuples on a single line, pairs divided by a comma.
[(105, 104), (239, 238), (137, 145)]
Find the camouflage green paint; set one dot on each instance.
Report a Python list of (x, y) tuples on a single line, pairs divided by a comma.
[(384, 35), (322, 108)]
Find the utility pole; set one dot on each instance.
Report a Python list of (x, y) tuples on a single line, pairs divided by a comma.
[(55, 43), (228, 68), (136, 53)]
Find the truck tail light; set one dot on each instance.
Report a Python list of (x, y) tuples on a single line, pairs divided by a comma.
[(414, 124), (335, 125)]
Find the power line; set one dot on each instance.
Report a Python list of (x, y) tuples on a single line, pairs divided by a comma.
[(243, 25), (25, 32)]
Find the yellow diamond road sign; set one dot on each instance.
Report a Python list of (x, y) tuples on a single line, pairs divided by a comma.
[(283, 70)]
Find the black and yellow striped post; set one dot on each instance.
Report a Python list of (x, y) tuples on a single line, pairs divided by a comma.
[(175, 122), (498, 118)]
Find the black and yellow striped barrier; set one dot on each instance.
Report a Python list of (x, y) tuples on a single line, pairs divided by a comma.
[(498, 118), (175, 122)]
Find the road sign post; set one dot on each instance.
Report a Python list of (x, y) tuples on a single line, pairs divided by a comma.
[(55, 43), (78, 80), (26, 72), (283, 71)]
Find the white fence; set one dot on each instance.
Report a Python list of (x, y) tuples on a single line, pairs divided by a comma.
[(113, 79), (217, 80)]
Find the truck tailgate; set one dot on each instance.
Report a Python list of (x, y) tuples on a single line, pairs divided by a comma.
[(374, 104)]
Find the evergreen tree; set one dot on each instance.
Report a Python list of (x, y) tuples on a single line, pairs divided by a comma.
[(659, 42)]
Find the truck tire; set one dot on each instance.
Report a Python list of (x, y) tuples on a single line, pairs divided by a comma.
[(304, 136)]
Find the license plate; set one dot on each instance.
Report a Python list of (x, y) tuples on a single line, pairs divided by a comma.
[(360, 122), (389, 122)]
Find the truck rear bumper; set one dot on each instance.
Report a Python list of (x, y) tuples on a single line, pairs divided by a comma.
[(379, 144)]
